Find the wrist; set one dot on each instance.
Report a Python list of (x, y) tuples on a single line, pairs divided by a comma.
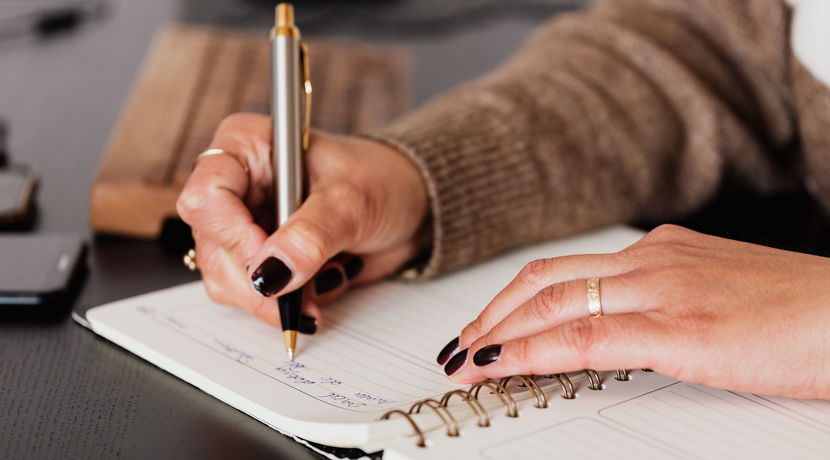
[(407, 196)]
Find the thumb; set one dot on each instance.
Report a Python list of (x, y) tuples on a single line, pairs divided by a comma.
[(326, 224)]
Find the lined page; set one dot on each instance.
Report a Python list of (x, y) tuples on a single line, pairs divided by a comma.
[(575, 439), (374, 351), (697, 421)]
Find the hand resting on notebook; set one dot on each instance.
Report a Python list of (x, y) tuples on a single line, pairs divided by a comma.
[(694, 307), (364, 207)]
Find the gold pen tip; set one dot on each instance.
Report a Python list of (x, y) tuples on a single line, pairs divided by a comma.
[(290, 339), (285, 15)]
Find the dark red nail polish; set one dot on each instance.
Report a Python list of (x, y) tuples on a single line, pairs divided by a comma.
[(487, 355), (456, 362), (271, 276), (308, 325), (353, 267), (328, 280), (448, 350)]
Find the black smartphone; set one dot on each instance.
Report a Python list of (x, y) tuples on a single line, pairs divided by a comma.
[(39, 274), (17, 189)]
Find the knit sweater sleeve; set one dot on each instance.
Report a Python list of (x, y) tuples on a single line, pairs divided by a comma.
[(634, 109)]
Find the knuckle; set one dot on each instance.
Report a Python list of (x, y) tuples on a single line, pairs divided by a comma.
[(189, 203), (345, 192), (580, 337), (312, 238), (536, 271), (472, 331), (661, 253), (520, 351), (667, 231), (693, 322), (233, 120), (547, 304), (233, 242), (353, 205)]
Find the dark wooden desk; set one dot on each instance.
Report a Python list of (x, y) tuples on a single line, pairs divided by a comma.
[(64, 393)]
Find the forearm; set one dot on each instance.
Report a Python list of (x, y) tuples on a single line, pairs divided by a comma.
[(629, 111)]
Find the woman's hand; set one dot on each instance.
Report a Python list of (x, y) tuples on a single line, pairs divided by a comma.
[(365, 205), (690, 306)]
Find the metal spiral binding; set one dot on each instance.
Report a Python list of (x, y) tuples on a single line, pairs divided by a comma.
[(594, 383), (564, 383), (499, 388), (541, 400), (452, 424), (483, 417), (501, 392), (421, 441)]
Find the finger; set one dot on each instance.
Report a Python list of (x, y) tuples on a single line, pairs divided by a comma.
[(226, 284), (247, 135), (211, 203), (626, 341), (559, 304), (326, 224), (534, 277), (345, 271), (212, 200)]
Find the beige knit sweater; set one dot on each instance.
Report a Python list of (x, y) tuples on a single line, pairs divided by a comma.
[(635, 109)]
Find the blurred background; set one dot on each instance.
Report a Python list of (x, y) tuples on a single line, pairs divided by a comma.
[(66, 67)]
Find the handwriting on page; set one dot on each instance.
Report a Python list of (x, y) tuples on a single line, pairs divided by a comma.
[(347, 382)]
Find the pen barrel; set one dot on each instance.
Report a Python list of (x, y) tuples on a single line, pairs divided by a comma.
[(286, 151)]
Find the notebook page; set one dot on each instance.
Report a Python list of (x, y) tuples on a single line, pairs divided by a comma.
[(374, 351), (650, 417), (574, 439)]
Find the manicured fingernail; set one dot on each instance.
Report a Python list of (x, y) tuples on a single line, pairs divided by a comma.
[(308, 325), (353, 267), (448, 350), (487, 355), (270, 277), (456, 362), (328, 280)]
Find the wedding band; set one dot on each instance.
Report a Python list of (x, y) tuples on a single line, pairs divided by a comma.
[(189, 260), (209, 152), (594, 305)]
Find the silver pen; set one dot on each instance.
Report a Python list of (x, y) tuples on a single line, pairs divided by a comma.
[(289, 85)]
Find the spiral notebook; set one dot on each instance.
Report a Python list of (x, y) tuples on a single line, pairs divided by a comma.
[(368, 378)]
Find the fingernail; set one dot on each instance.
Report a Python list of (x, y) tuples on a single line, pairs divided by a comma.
[(328, 280), (487, 355), (448, 350), (353, 267), (308, 325), (457, 362), (270, 277)]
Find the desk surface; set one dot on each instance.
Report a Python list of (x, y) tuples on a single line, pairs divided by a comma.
[(64, 393)]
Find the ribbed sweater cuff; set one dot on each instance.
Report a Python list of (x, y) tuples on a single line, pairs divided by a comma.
[(484, 198)]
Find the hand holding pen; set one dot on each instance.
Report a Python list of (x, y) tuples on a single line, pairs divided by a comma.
[(358, 223)]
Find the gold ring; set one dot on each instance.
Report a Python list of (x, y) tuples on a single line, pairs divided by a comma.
[(594, 304), (210, 152), (189, 260)]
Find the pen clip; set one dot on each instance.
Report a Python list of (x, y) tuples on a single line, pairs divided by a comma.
[(307, 91)]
